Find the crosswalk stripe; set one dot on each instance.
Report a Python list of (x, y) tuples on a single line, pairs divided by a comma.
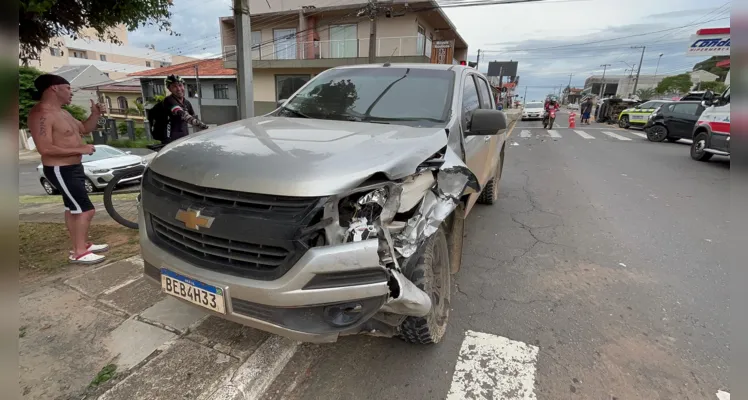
[(554, 134), (615, 135), (584, 134), (494, 367), (524, 134), (641, 135)]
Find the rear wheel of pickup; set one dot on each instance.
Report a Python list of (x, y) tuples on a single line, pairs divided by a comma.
[(432, 275)]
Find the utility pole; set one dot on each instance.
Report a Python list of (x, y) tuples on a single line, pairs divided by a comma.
[(602, 84), (638, 71), (372, 31), (569, 92), (477, 60), (658, 66), (244, 59), (524, 99), (199, 91)]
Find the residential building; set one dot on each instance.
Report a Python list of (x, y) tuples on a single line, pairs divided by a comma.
[(80, 78), (218, 104), (292, 43), (123, 99), (115, 60)]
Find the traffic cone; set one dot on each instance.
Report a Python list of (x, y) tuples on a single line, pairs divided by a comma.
[(572, 122)]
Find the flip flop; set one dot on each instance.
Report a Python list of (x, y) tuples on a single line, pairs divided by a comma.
[(86, 258)]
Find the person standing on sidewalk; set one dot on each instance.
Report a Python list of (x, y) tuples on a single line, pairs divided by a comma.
[(586, 110), (58, 139)]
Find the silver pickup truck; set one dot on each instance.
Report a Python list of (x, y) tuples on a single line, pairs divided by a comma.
[(341, 212)]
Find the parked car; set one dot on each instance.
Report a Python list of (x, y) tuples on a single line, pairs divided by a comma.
[(638, 115), (673, 121), (340, 213), (711, 134), (532, 111), (100, 167)]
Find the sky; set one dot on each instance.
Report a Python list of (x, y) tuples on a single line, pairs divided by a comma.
[(550, 39)]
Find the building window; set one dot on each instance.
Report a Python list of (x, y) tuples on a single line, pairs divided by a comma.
[(191, 90), (220, 91), (122, 102), (285, 43), (108, 102), (158, 88), (421, 41), (79, 54), (256, 46), (147, 63), (55, 52), (165, 64), (286, 85), (102, 57)]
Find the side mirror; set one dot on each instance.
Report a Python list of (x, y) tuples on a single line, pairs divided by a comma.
[(280, 102), (486, 122)]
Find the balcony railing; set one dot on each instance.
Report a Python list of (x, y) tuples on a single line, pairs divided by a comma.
[(332, 49)]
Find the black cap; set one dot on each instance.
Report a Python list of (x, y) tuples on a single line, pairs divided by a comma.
[(43, 82)]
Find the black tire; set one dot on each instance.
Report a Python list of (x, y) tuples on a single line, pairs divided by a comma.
[(624, 122), (657, 133), (490, 193), (48, 188), (432, 275), (550, 123), (109, 204), (90, 187), (700, 142)]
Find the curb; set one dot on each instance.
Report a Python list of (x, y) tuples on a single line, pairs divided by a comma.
[(254, 376)]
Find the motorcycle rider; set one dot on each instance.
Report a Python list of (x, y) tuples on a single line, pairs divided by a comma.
[(550, 103)]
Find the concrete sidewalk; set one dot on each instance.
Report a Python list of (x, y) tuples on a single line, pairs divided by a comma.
[(108, 316)]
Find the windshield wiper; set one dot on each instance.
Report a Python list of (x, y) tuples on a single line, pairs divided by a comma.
[(298, 113), (385, 119)]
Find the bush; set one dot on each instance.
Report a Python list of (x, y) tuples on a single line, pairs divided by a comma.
[(122, 129), (140, 133)]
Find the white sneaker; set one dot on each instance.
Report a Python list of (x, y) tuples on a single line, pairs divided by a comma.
[(97, 248), (86, 258)]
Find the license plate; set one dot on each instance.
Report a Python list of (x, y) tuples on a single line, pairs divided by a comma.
[(193, 291)]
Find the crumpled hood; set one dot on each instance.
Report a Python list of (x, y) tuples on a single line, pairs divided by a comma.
[(296, 156)]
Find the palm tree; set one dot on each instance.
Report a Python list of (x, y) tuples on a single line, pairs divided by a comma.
[(645, 94)]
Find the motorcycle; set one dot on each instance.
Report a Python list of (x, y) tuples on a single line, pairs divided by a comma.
[(549, 118)]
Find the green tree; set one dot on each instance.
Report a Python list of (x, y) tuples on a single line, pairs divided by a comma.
[(26, 77), (645, 94), (716, 87), (674, 84), (41, 21)]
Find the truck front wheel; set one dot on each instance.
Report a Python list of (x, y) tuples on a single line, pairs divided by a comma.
[(698, 146), (432, 275)]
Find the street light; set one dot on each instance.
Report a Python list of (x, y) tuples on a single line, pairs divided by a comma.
[(658, 66)]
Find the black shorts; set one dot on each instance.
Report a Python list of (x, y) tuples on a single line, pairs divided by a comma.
[(70, 181)]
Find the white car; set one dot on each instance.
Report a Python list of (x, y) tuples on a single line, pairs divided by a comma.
[(101, 167), (532, 111)]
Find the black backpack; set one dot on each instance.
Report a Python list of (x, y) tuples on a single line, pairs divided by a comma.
[(158, 120)]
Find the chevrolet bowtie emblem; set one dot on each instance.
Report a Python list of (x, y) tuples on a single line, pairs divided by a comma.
[(193, 220)]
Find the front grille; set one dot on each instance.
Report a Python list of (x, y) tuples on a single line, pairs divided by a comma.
[(279, 205), (252, 236), (235, 256)]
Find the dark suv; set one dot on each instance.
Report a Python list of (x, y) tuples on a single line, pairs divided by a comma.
[(673, 121)]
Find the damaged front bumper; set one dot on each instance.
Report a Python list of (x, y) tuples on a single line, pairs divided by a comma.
[(358, 281)]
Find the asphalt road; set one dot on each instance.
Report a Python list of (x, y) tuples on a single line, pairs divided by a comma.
[(605, 256)]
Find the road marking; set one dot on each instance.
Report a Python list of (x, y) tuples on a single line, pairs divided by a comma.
[(615, 135), (554, 134), (494, 367), (641, 135), (723, 395), (584, 134), (525, 134)]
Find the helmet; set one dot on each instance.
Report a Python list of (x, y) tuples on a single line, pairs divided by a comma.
[(173, 79)]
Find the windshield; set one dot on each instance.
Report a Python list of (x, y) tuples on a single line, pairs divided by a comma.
[(404, 95), (534, 105), (102, 153)]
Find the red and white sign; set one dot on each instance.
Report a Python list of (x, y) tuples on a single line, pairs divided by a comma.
[(710, 42)]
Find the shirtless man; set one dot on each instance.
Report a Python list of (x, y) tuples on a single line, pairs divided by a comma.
[(58, 138)]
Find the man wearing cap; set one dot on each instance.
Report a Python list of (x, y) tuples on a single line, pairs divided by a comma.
[(58, 138)]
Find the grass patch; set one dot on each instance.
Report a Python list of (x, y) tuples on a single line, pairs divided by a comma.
[(104, 375), (44, 246), (57, 199)]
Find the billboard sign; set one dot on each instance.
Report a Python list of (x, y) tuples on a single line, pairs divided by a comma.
[(710, 42)]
